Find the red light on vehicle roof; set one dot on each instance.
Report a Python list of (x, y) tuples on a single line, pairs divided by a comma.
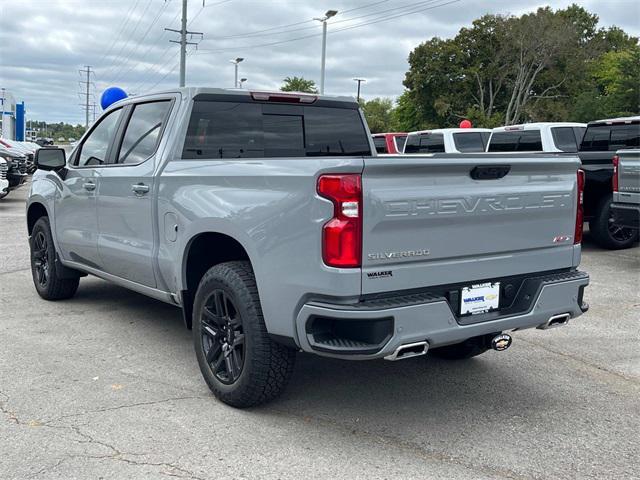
[(283, 97)]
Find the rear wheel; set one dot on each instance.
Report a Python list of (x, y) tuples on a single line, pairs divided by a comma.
[(242, 366), (46, 278), (606, 232)]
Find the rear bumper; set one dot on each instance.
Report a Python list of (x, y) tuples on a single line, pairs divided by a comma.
[(426, 317), (626, 214)]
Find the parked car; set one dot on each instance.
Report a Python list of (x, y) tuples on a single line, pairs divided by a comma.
[(4, 183), (271, 221), (537, 137), (16, 167), (626, 189), (20, 148), (389, 142), (447, 140), (43, 142)]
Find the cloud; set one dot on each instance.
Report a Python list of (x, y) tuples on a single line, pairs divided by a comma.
[(44, 44)]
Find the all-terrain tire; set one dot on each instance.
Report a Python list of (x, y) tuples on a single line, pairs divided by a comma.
[(604, 231), (46, 278), (266, 366)]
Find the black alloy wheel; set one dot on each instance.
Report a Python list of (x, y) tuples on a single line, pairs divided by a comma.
[(41, 258), (223, 337)]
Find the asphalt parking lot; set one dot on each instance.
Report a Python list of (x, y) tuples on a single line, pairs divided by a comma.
[(106, 386)]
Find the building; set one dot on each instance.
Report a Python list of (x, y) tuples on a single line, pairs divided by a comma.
[(12, 117)]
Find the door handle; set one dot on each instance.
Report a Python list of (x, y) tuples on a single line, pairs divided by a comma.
[(89, 186), (140, 188)]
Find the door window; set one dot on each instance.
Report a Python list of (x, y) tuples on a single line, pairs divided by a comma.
[(425, 143), (565, 139), (381, 144), (96, 146), (142, 135)]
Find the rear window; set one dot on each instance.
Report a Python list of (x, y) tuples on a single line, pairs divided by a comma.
[(611, 137), (516, 141), (467, 142), (564, 139), (381, 144), (425, 143), (254, 130)]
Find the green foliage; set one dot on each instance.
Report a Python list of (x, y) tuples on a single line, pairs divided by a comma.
[(57, 130), (378, 113), (298, 84), (542, 66)]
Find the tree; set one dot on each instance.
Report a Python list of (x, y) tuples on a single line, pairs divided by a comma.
[(379, 114), (542, 66), (298, 84)]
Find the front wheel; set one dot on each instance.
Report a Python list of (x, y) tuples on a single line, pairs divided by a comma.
[(606, 232), (44, 270), (241, 364)]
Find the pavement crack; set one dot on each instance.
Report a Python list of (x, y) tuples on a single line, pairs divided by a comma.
[(120, 407), (409, 446)]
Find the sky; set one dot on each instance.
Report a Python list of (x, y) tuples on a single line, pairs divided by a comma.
[(44, 43)]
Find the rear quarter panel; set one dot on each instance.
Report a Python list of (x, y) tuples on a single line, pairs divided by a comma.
[(271, 207)]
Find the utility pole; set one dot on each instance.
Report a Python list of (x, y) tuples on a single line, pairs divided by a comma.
[(359, 80), (327, 16), (183, 42), (87, 84)]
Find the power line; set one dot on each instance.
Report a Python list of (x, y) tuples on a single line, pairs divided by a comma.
[(126, 44), (260, 33), (120, 31), (137, 46), (363, 24)]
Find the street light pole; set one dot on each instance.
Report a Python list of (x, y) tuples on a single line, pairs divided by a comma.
[(359, 80), (236, 61), (327, 16)]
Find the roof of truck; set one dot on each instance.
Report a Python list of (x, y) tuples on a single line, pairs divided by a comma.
[(450, 130), (193, 91), (616, 120), (537, 125)]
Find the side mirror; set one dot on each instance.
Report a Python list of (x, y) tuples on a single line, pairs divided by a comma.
[(50, 158)]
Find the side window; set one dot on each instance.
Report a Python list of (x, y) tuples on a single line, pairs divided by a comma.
[(142, 135), (625, 136), (400, 140), (94, 149), (381, 144), (564, 139), (469, 142), (596, 138)]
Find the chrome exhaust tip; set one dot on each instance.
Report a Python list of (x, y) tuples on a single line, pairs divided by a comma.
[(555, 321), (408, 350)]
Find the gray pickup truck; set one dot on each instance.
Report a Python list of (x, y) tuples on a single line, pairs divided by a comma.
[(626, 189), (269, 219)]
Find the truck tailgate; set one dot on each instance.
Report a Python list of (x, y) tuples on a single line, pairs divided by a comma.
[(427, 222)]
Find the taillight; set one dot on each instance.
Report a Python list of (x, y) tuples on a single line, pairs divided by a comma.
[(616, 169), (577, 237), (342, 235)]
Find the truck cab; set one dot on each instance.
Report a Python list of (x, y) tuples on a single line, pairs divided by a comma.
[(537, 137), (389, 143), (447, 140)]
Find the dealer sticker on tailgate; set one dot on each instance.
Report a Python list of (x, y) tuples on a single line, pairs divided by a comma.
[(480, 298)]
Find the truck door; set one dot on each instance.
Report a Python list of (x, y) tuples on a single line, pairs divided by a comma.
[(125, 201), (76, 223)]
